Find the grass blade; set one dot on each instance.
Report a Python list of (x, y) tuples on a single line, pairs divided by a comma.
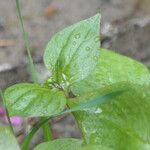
[(27, 44)]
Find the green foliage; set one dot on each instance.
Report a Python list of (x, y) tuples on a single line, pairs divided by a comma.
[(67, 144), (121, 124), (60, 144), (93, 102), (7, 140), (108, 93), (34, 100), (113, 68), (73, 53), (93, 147)]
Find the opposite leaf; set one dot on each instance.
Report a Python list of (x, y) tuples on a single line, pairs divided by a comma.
[(113, 68), (121, 124), (7, 140), (60, 144), (73, 53), (33, 100)]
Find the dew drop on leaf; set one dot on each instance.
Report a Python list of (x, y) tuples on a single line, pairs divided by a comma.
[(87, 48), (77, 36), (74, 42)]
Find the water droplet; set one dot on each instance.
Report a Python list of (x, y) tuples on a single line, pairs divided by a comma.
[(77, 36), (98, 111), (87, 48), (74, 42)]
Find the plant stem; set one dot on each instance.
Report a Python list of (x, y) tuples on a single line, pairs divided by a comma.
[(46, 128), (27, 44), (26, 143), (7, 113)]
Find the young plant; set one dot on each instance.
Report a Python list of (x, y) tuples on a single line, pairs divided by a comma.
[(108, 93)]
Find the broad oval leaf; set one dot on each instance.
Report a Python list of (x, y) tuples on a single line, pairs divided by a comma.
[(121, 124), (73, 53), (7, 140), (60, 144), (33, 100), (113, 68)]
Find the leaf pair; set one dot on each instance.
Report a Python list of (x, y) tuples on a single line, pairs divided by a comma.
[(71, 55), (78, 65)]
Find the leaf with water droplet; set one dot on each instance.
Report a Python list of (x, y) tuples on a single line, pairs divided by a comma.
[(33, 100), (77, 36), (123, 123), (112, 68), (72, 50), (87, 48)]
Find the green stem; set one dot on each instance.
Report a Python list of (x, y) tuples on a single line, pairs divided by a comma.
[(27, 44), (46, 128), (47, 131), (7, 113), (28, 139)]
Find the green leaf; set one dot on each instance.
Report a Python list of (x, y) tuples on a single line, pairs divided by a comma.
[(96, 100), (121, 124), (94, 147), (68, 144), (113, 68), (33, 100), (60, 144), (73, 53), (7, 140)]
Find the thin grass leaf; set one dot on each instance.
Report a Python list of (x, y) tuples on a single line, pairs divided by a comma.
[(27, 44), (92, 103)]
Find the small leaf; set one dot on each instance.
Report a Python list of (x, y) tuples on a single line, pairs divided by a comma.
[(73, 53), (33, 100), (60, 144), (7, 140), (113, 68), (121, 124)]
